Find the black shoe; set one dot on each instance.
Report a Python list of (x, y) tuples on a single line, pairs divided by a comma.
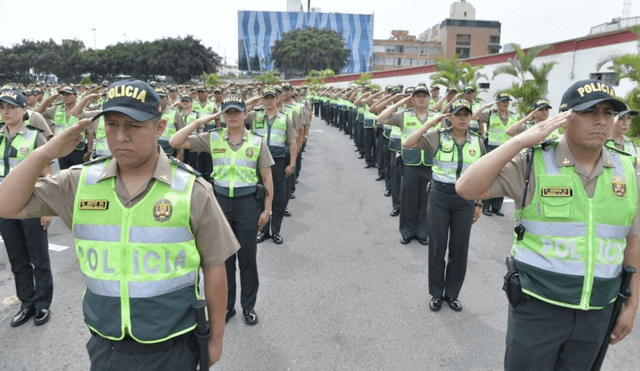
[(296, 181), (486, 212), (292, 195), (387, 193), (261, 237), (250, 317), (435, 304), (277, 239), (368, 166), (405, 240), (361, 156), (395, 212), (42, 317), (379, 178), (454, 304), (286, 212), (356, 150), (498, 213), (22, 317), (229, 314), (424, 241)]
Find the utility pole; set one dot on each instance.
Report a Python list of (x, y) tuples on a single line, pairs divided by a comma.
[(94, 38), (309, 6)]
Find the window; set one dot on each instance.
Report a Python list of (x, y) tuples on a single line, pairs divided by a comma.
[(483, 85), (389, 62), (379, 49), (462, 52), (406, 62), (400, 49), (463, 39), (494, 39), (378, 61), (391, 49), (411, 50), (609, 78), (399, 62)]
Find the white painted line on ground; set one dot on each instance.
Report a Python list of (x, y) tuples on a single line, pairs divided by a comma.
[(316, 130), (52, 246)]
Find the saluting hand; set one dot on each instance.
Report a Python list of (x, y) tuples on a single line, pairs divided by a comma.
[(540, 131), (65, 142)]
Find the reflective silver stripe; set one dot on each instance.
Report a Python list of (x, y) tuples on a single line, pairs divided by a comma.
[(246, 163), (150, 289), (93, 173), (494, 143), (222, 183), (575, 268), (14, 162), (612, 231), (255, 140), (608, 270), (91, 232), (221, 161), (29, 135), (443, 179), (180, 180), (159, 234), (103, 287), (445, 165), (555, 229), (619, 169), (549, 156), (275, 131), (215, 135)]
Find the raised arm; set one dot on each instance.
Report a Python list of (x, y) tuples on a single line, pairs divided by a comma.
[(513, 129), (383, 118), (181, 138), (412, 140)]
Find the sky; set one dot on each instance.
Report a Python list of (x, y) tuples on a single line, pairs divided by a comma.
[(102, 23)]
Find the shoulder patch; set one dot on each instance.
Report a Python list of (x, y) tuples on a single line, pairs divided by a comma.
[(97, 160), (611, 147), (34, 128)]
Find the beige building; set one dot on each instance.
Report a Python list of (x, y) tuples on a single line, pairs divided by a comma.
[(461, 33), (403, 50)]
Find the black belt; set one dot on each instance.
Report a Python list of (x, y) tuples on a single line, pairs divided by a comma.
[(444, 187), (130, 346)]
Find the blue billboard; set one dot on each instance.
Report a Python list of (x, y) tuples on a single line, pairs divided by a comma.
[(258, 32)]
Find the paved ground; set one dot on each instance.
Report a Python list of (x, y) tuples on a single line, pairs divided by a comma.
[(341, 293)]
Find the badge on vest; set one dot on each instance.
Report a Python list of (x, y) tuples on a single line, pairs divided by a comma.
[(93, 205), (162, 210), (259, 124), (472, 152), (24, 150), (557, 192), (619, 186), (219, 150), (249, 152)]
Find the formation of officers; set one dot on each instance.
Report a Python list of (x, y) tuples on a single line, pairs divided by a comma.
[(128, 136)]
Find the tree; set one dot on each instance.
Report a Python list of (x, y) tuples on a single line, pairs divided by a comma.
[(269, 77), (532, 84), (301, 51), (457, 74), (317, 78)]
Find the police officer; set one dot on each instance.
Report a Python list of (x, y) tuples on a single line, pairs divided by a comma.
[(497, 123), (453, 149), (136, 207), (580, 224), (279, 133), (25, 240), (416, 166), (238, 155), (617, 138)]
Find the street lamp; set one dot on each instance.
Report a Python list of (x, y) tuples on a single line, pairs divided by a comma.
[(94, 38)]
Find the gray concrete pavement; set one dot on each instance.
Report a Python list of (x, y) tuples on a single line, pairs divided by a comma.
[(341, 293)]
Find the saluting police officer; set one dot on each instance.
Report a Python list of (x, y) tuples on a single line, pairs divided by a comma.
[(25, 240), (139, 206), (237, 155)]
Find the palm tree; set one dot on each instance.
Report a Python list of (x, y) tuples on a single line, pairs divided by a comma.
[(456, 74), (532, 81)]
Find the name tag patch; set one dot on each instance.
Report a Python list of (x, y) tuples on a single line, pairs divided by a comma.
[(557, 192), (219, 150), (94, 205)]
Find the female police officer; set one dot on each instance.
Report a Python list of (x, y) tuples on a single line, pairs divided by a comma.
[(237, 155), (25, 240), (450, 216)]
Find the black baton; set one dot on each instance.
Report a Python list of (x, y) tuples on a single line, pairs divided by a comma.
[(202, 333), (625, 292)]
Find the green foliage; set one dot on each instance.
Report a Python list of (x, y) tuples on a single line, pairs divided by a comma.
[(365, 78), (209, 79), (317, 78), (85, 81), (532, 84), (457, 74), (269, 77), (302, 51), (180, 58)]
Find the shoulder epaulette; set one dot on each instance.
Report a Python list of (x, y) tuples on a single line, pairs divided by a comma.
[(97, 160), (473, 133), (610, 147), (184, 166), (30, 127), (445, 130), (258, 135)]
